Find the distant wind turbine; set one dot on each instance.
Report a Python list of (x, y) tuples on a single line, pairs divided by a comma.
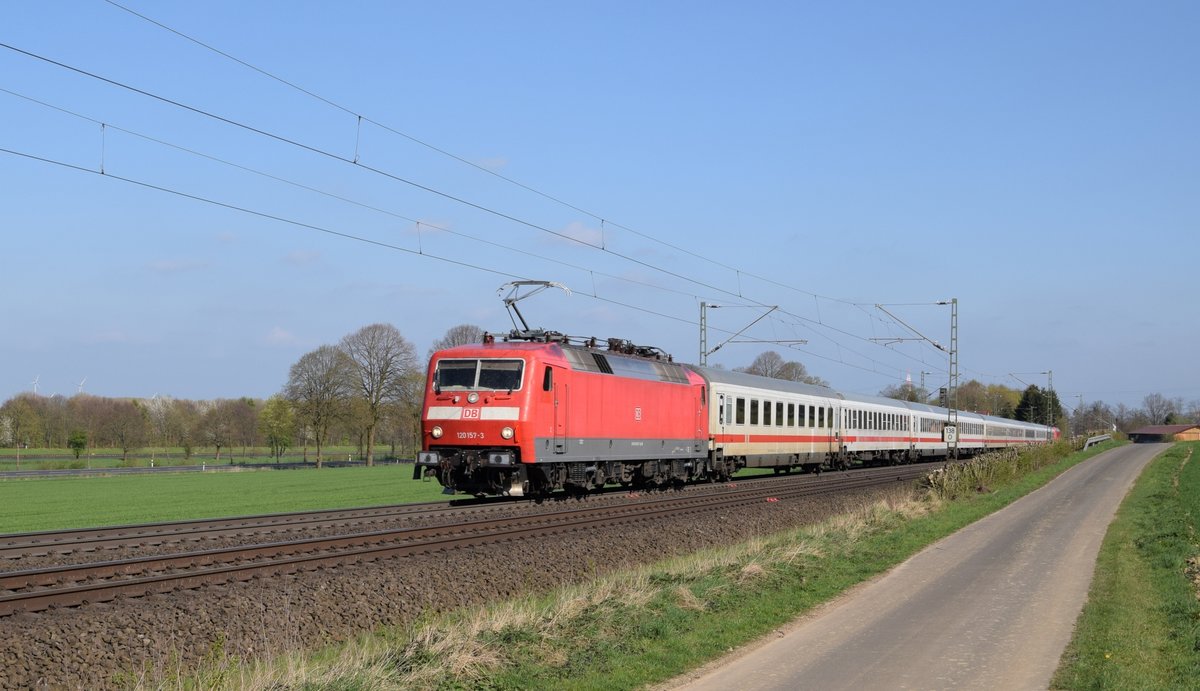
[(80, 389), (35, 383)]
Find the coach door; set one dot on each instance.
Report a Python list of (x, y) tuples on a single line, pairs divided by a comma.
[(721, 419), (562, 393), (834, 429)]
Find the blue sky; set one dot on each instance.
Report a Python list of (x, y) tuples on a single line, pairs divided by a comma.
[(1038, 161)]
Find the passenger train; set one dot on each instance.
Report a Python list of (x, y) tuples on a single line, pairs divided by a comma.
[(534, 413)]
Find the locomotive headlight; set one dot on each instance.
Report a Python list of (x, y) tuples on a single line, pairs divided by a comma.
[(436, 432), (472, 397), (507, 432)]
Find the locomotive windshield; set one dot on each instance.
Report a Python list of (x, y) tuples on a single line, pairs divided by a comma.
[(498, 375)]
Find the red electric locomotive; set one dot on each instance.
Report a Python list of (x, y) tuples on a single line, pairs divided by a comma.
[(537, 414)]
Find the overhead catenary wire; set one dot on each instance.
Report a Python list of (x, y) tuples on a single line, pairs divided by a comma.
[(314, 227), (360, 118), (309, 188), (503, 215), (344, 235), (333, 156), (815, 324)]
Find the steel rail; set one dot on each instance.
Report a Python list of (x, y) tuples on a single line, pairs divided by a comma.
[(41, 589), (112, 537), (44, 543)]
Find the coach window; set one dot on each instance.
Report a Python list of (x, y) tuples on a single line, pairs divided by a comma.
[(778, 414), (754, 411), (829, 416), (792, 414), (766, 412), (821, 417), (741, 411)]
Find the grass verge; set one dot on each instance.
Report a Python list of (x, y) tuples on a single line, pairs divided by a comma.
[(648, 625), (1141, 625)]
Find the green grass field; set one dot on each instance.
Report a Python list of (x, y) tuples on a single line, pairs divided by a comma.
[(64, 459), (33, 504), (73, 502)]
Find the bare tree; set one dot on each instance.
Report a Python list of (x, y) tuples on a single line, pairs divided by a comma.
[(463, 334), (215, 427), (319, 385), (1192, 411), (771, 364), (244, 423), (905, 392), (127, 426), (88, 411), (1095, 416), (381, 358), (1158, 408)]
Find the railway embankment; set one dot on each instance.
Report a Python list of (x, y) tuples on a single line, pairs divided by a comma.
[(156, 639), (645, 625)]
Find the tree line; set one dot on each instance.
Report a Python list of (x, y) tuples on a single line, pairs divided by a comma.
[(366, 391)]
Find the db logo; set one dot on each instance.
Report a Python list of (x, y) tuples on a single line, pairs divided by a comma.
[(471, 413)]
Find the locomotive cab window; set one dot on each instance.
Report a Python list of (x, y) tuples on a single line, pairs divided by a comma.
[(548, 379), (497, 375)]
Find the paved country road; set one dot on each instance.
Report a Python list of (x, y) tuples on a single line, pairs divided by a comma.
[(991, 607)]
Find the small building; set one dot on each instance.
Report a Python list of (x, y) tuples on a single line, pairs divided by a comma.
[(1161, 433)]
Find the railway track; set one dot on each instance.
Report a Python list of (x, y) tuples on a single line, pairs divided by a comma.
[(36, 590), (85, 540)]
